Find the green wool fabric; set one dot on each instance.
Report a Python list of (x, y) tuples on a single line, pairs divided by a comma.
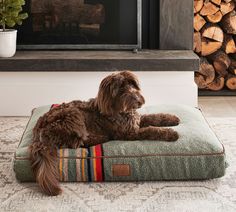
[(198, 154)]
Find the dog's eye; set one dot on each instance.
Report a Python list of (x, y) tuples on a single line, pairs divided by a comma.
[(134, 84), (132, 89), (123, 89)]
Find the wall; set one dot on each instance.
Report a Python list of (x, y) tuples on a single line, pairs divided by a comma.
[(20, 92)]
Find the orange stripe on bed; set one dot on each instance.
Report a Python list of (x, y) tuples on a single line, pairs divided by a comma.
[(61, 164)]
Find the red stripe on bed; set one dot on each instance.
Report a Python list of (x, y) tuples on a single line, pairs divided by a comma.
[(54, 105), (99, 171)]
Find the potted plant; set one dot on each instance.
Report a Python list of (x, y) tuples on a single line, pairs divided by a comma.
[(10, 15)]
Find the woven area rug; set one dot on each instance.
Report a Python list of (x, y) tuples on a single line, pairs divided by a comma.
[(213, 195)]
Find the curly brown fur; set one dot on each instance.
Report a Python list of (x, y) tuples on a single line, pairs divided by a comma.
[(159, 120), (111, 115)]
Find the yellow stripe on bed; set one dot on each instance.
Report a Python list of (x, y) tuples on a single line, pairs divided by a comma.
[(94, 164), (61, 164)]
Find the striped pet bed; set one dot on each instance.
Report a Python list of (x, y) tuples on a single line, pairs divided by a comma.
[(82, 165), (86, 161), (198, 154)]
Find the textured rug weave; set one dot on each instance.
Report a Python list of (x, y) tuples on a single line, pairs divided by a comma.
[(189, 196)]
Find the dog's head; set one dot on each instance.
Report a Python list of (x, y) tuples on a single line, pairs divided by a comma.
[(119, 93)]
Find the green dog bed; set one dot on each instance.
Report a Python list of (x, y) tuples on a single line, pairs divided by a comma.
[(198, 154)]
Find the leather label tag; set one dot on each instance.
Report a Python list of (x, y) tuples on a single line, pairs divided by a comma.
[(119, 170)]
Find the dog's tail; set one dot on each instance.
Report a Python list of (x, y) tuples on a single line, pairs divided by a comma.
[(44, 164)]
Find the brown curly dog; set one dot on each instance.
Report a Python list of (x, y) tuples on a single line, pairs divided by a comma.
[(110, 116)]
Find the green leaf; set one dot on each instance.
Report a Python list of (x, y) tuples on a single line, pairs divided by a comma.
[(10, 23), (10, 12), (23, 16), (14, 14), (19, 22)]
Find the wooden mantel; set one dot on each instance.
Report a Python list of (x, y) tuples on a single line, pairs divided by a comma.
[(146, 60)]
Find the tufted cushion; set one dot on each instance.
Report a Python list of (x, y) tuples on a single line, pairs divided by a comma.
[(198, 154)]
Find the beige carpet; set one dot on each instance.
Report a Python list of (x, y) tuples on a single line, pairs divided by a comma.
[(214, 195)]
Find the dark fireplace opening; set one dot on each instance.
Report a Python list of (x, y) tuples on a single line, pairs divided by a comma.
[(90, 24)]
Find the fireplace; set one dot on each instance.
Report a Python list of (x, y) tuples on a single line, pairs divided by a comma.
[(89, 24)]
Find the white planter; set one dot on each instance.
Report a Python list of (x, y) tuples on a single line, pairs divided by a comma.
[(8, 43)]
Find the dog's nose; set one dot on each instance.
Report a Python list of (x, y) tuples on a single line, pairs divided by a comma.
[(142, 100), (140, 104)]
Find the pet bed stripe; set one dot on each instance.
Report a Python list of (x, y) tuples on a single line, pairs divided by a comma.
[(66, 164), (78, 166), (93, 162), (92, 166), (89, 168), (96, 163), (84, 165), (61, 164), (99, 163), (71, 176)]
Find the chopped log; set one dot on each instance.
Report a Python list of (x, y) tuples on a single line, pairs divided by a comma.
[(215, 18), (199, 22), (215, 42), (228, 22), (200, 81), (229, 44), (198, 4), (45, 6), (205, 75), (232, 67), (207, 70), (197, 44), (221, 62), (92, 14), (209, 46), (84, 14), (214, 32), (92, 29), (209, 9), (217, 2), (64, 14), (217, 84), (38, 22), (231, 82), (226, 8)]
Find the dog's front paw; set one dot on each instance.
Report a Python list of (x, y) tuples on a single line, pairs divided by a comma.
[(174, 120), (172, 135)]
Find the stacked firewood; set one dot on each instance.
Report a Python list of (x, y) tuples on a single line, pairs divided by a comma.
[(214, 42)]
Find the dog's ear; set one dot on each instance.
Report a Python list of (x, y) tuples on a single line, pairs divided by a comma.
[(115, 84), (108, 90), (131, 78)]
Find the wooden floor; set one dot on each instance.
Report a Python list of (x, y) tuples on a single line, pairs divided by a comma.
[(218, 106)]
